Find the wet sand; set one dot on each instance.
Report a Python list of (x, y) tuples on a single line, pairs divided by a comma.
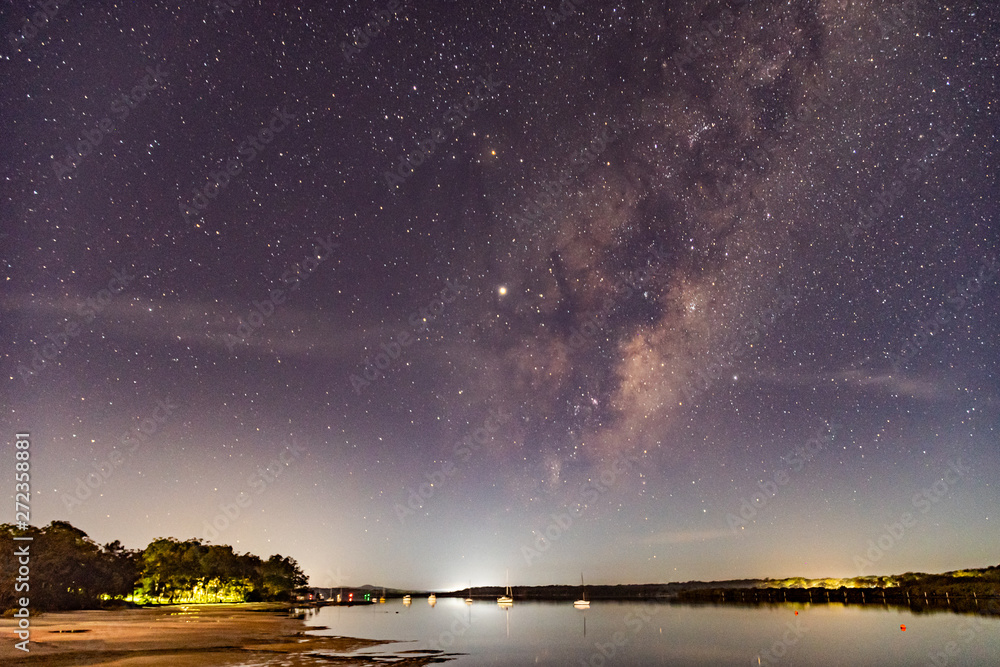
[(186, 636)]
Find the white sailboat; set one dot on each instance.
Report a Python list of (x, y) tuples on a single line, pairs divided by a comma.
[(507, 599), (469, 600), (583, 602)]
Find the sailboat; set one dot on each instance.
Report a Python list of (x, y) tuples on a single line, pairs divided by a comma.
[(381, 600), (583, 602), (407, 600), (507, 599), (469, 600)]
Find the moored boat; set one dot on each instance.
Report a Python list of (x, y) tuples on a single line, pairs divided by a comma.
[(507, 599), (583, 602)]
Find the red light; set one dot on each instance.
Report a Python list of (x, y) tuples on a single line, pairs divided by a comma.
[(350, 597)]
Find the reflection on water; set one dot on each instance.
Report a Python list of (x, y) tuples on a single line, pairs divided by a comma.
[(629, 633)]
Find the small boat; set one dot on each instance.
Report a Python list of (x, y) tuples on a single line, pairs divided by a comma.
[(432, 599), (407, 600), (507, 599), (381, 600), (583, 602)]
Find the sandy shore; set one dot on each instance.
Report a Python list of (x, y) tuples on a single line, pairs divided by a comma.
[(184, 636)]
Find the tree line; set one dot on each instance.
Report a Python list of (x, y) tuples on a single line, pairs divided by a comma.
[(68, 570)]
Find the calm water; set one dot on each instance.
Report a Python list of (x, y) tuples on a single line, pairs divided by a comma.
[(636, 633)]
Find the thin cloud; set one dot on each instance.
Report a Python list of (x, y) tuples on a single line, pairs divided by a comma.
[(883, 383), (689, 536)]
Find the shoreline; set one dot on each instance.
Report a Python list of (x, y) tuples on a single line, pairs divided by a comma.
[(184, 636)]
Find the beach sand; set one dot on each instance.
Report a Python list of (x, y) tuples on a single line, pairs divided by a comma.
[(185, 636)]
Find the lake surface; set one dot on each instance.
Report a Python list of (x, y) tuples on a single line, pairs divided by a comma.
[(645, 633)]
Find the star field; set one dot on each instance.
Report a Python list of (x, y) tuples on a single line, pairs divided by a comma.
[(494, 265)]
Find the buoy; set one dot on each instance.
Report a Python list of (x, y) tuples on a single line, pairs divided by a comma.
[(903, 628), (796, 613)]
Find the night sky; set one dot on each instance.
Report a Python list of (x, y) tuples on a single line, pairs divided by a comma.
[(652, 291)]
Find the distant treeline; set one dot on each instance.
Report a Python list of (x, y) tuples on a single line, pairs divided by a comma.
[(983, 583), (68, 570), (563, 592), (956, 583), (971, 590)]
